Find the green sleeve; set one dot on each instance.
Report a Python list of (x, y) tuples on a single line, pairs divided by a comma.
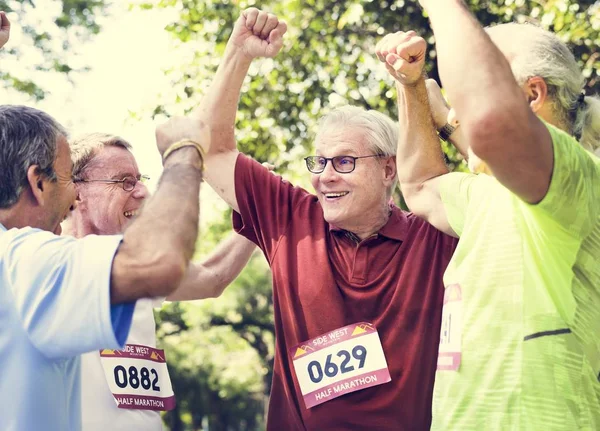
[(458, 191), (573, 198)]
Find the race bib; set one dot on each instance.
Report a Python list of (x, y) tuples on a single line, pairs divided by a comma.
[(449, 355), (342, 361), (138, 377)]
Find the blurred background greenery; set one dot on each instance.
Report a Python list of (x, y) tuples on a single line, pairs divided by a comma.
[(220, 351)]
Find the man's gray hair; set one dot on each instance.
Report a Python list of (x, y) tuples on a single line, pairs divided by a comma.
[(534, 51), (28, 137), (85, 148), (380, 130)]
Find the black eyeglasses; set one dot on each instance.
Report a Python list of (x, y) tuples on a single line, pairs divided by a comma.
[(128, 182), (341, 164)]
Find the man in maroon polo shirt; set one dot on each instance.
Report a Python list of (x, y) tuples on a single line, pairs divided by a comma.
[(357, 283)]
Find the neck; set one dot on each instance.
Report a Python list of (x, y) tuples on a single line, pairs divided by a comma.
[(370, 226), (548, 115), (76, 226), (19, 216)]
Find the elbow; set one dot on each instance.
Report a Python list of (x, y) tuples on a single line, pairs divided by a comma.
[(217, 291), (166, 277), (413, 195), (488, 132)]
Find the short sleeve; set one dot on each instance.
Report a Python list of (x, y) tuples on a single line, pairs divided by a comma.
[(61, 288), (573, 198), (458, 191), (267, 204)]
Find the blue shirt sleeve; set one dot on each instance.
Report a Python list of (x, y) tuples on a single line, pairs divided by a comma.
[(121, 316), (60, 289)]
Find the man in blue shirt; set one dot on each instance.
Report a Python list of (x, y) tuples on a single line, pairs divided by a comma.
[(61, 297)]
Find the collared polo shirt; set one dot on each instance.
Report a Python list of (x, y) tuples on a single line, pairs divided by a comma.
[(323, 279)]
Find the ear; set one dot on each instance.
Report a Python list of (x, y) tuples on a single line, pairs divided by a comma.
[(37, 183), (536, 92), (389, 170)]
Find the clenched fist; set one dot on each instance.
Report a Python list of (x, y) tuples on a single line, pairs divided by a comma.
[(182, 128), (403, 55), (258, 34)]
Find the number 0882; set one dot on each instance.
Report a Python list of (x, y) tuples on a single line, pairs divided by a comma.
[(134, 379)]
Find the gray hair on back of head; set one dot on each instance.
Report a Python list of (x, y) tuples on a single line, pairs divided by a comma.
[(534, 51), (84, 149), (28, 137)]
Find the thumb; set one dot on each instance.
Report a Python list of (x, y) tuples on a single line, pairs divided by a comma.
[(4, 21), (396, 62)]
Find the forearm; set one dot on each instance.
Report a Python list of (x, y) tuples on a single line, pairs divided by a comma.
[(158, 245), (473, 91), (219, 106), (209, 278), (419, 157), (229, 259)]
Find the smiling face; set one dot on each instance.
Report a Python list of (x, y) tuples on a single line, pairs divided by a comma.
[(106, 209), (355, 201)]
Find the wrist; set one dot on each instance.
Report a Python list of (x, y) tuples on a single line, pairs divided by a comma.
[(440, 119), (237, 56), (184, 152)]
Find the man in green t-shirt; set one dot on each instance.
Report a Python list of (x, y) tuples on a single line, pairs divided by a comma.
[(520, 340)]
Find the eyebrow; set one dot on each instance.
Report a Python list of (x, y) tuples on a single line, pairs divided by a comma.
[(121, 175)]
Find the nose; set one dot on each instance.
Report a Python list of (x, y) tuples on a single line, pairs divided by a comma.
[(140, 191), (329, 174)]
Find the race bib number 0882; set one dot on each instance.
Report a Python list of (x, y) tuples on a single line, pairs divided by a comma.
[(342, 361), (138, 377)]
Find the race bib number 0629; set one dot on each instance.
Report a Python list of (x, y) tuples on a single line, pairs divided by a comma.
[(342, 361)]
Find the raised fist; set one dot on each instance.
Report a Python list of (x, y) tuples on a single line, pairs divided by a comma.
[(258, 34), (181, 128), (4, 29), (403, 55)]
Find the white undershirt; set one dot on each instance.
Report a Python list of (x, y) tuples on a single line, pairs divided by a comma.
[(99, 409)]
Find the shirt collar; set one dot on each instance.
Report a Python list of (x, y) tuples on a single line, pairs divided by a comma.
[(395, 228)]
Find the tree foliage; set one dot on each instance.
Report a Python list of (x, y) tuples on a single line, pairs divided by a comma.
[(50, 28), (327, 61)]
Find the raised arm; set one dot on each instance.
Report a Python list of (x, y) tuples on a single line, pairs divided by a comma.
[(4, 29), (442, 114), (256, 34), (496, 120), (156, 248), (209, 278), (419, 157)]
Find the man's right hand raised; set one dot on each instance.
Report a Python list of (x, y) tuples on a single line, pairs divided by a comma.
[(4, 29), (258, 34), (403, 54)]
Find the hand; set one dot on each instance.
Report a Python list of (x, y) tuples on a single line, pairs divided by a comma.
[(258, 34), (439, 107), (269, 166), (4, 29), (181, 128), (403, 55)]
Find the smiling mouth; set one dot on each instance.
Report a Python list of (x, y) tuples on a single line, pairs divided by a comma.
[(335, 195), (130, 214)]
